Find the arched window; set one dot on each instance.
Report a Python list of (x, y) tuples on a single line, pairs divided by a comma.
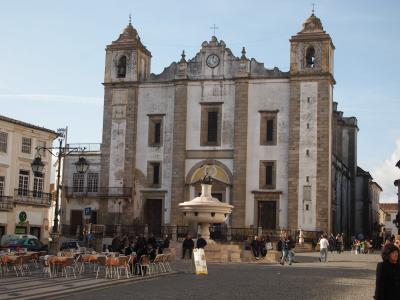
[(310, 57), (121, 67)]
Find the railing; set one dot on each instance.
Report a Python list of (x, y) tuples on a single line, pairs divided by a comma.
[(6, 203), (89, 147), (32, 197), (98, 192), (242, 234)]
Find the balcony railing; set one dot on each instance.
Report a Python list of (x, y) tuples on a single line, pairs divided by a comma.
[(6, 203), (76, 192), (32, 197)]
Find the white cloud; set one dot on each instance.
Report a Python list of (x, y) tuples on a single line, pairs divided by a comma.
[(51, 98), (386, 173)]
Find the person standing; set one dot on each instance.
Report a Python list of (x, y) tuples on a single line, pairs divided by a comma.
[(323, 248), (255, 247), (187, 245), (388, 275), (201, 243), (286, 253)]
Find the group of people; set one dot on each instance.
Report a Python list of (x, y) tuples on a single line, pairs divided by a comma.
[(188, 245), (139, 245), (260, 246)]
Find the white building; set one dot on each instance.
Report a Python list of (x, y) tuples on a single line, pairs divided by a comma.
[(278, 149), (25, 198), (389, 211)]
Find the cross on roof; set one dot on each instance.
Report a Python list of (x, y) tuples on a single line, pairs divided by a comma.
[(313, 6), (214, 28)]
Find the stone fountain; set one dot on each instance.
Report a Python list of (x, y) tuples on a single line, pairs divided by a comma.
[(205, 210)]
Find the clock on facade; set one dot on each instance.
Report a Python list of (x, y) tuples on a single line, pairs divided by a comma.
[(212, 60)]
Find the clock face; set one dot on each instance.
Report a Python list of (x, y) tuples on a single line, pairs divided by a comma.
[(212, 60)]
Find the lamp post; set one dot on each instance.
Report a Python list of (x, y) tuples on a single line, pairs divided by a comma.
[(397, 220), (37, 167)]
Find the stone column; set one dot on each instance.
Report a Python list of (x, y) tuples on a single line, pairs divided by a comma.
[(240, 153), (179, 148)]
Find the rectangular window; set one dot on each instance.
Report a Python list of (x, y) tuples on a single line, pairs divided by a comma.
[(212, 127), (23, 183), (92, 182), (268, 128), (41, 145), (154, 174), (78, 180), (38, 186), (2, 185), (211, 118), (3, 141), (267, 175), (388, 218), (155, 130), (26, 145)]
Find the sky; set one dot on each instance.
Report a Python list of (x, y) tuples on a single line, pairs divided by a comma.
[(52, 57)]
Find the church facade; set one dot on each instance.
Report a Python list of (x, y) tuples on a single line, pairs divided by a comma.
[(273, 141)]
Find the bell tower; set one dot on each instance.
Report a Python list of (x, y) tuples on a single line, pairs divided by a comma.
[(127, 64), (310, 133)]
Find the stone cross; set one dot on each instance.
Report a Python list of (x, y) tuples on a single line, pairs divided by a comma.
[(214, 28)]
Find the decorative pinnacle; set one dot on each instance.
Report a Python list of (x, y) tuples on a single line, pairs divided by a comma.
[(130, 19), (313, 8), (243, 53), (183, 55)]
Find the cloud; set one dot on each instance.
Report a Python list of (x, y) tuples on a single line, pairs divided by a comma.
[(386, 173), (51, 98)]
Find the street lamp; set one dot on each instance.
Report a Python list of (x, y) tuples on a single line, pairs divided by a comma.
[(397, 220), (37, 167)]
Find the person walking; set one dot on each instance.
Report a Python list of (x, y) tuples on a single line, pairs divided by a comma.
[(323, 248), (388, 275), (339, 243), (286, 253), (187, 245)]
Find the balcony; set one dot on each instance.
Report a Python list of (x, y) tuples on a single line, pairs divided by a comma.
[(6, 203), (32, 197), (100, 192)]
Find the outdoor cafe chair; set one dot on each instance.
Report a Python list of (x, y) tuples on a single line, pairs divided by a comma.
[(166, 262), (156, 263), (102, 262), (144, 264), (68, 264), (123, 265)]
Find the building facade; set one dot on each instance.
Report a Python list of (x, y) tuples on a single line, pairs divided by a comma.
[(388, 214), (25, 198), (274, 142)]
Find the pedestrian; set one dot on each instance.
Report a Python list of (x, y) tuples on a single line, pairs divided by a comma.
[(152, 240), (116, 244), (339, 242), (388, 275), (286, 252), (201, 243), (187, 245), (255, 247), (263, 247), (323, 248)]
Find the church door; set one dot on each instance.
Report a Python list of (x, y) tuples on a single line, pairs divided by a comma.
[(153, 215), (267, 214)]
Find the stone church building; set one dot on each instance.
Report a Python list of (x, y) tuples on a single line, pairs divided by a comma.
[(274, 142)]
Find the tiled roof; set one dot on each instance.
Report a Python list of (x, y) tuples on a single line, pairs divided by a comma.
[(17, 122), (388, 207)]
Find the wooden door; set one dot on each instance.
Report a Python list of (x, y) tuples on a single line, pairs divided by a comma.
[(153, 215), (267, 214)]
